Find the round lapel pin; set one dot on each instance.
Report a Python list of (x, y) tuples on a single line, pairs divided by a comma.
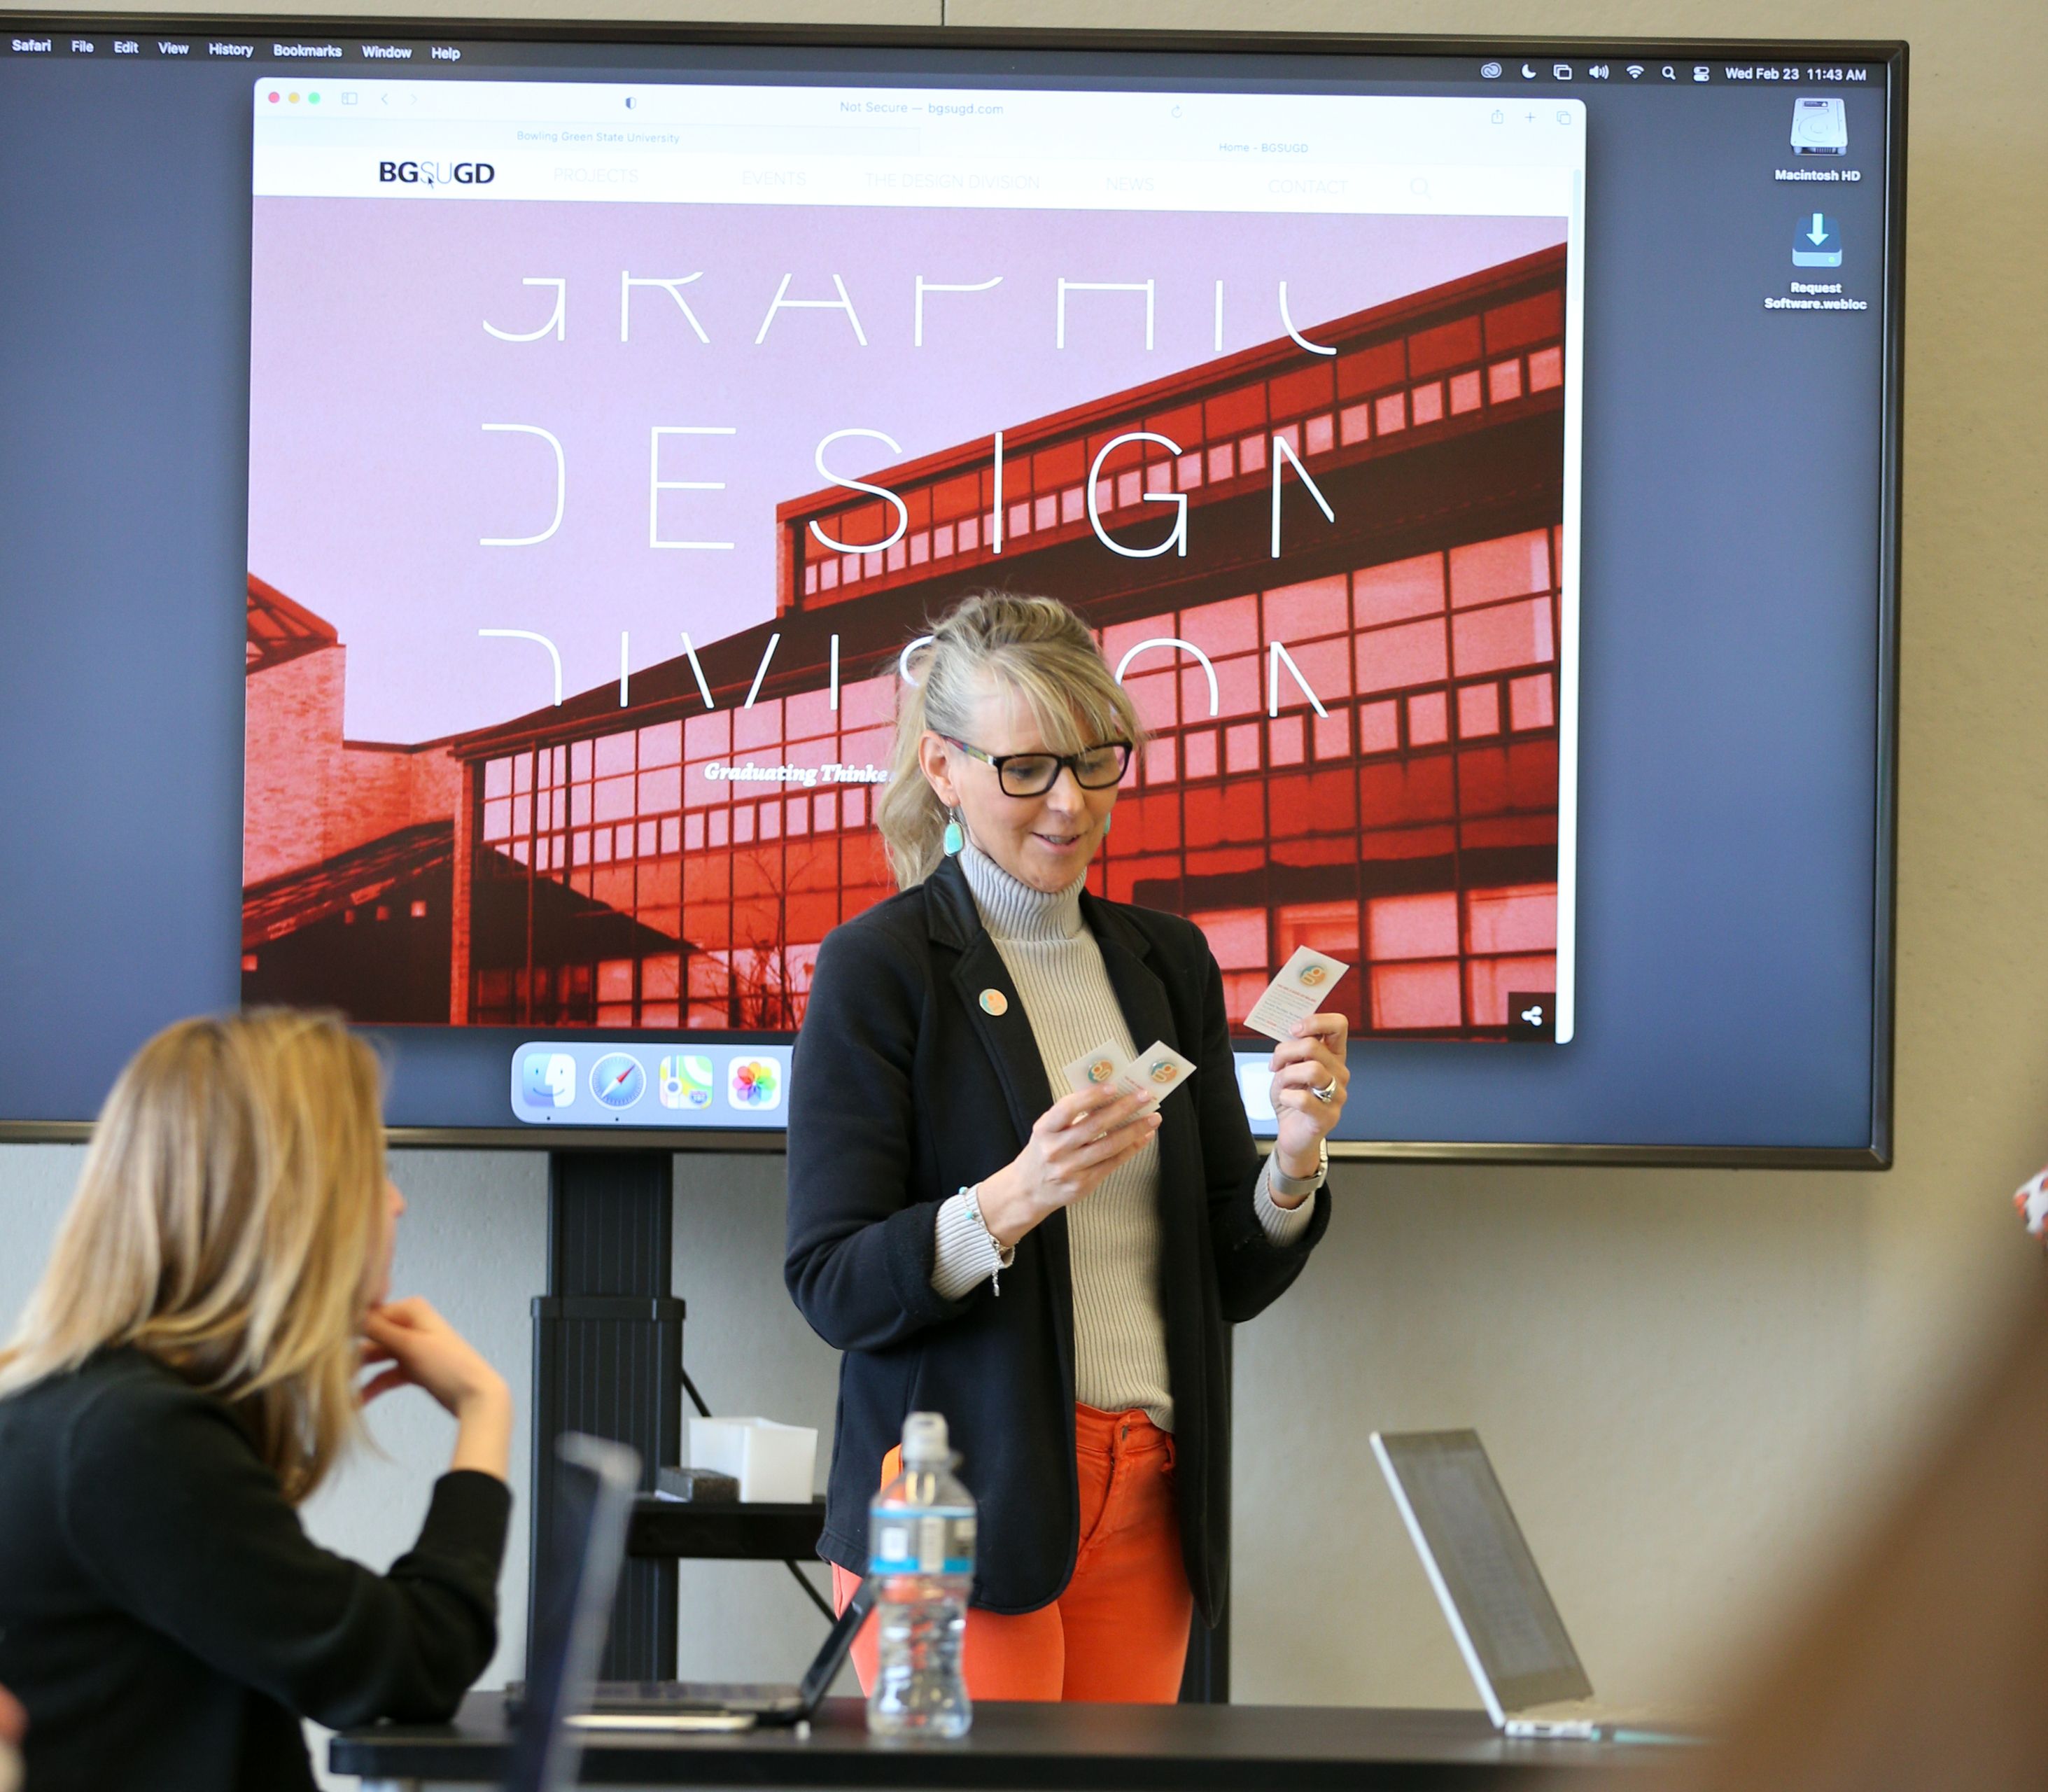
[(994, 1002)]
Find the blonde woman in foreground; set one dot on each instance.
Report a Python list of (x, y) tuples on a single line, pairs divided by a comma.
[(184, 1376)]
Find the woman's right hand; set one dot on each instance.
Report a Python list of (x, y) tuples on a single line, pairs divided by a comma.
[(1076, 1142), (423, 1351)]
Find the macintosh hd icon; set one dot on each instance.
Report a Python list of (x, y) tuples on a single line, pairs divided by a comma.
[(1820, 127)]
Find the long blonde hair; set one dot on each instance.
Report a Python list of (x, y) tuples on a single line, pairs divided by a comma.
[(224, 1224), (1034, 646)]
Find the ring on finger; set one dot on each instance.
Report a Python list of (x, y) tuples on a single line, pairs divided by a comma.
[(1327, 1093)]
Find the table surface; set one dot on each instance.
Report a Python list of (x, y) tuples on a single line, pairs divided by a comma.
[(1023, 1748)]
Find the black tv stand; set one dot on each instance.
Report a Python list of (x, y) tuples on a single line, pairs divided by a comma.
[(608, 1359)]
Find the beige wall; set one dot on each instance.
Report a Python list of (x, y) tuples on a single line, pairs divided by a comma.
[(1692, 1381)]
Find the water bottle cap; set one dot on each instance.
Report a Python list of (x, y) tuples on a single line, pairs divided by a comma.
[(924, 1440)]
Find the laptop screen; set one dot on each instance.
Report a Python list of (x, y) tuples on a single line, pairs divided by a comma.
[(831, 1655), (579, 1577), (1507, 1628)]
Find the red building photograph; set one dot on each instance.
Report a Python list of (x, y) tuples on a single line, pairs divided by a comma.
[(1337, 608)]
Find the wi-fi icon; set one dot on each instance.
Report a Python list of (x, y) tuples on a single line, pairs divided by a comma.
[(1635, 71)]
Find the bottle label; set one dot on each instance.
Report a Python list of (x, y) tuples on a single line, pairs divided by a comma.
[(910, 1542)]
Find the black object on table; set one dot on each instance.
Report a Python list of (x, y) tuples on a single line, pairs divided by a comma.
[(705, 1486), (702, 1531), (1024, 1749)]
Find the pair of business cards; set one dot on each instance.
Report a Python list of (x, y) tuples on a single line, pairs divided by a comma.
[(1155, 1072)]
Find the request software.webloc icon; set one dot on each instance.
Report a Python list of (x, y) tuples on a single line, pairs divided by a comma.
[(1817, 242)]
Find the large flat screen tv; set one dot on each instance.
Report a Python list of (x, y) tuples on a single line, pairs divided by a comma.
[(472, 496)]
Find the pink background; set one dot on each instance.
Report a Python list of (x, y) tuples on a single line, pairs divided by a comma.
[(371, 479)]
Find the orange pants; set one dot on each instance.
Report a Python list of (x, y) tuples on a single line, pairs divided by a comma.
[(1120, 1631)]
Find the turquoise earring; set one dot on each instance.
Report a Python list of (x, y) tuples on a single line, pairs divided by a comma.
[(954, 839), (1106, 821)]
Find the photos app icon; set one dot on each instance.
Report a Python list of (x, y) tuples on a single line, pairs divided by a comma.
[(754, 1084)]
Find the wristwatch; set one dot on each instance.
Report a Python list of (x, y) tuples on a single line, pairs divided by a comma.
[(1281, 1183)]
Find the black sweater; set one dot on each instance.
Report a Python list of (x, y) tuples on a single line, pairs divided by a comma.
[(167, 1621)]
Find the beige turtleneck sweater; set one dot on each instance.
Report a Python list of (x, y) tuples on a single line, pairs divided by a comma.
[(1113, 1232)]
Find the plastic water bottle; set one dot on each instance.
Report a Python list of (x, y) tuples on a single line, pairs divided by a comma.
[(921, 1561)]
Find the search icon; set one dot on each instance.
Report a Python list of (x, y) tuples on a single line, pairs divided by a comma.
[(1670, 74)]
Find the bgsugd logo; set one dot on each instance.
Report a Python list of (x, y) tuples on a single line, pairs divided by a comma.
[(437, 173)]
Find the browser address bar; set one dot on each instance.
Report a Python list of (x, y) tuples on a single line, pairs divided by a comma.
[(728, 139)]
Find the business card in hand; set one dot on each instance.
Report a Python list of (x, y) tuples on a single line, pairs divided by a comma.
[(1095, 1069), (1157, 1071), (1305, 981)]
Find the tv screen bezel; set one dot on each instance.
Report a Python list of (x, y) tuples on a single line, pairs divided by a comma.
[(1877, 1153)]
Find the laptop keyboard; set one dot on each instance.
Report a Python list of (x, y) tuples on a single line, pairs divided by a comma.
[(613, 1694)]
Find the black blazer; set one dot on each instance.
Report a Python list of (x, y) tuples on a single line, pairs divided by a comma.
[(168, 1622), (904, 1089)]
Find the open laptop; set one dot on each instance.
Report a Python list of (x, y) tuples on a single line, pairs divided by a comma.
[(1508, 1628), (594, 1498), (685, 1703), (700, 1705)]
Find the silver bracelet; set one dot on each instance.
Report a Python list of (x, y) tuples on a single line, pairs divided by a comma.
[(1005, 1254)]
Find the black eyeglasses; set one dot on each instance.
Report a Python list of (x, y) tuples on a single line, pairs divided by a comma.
[(1033, 774)]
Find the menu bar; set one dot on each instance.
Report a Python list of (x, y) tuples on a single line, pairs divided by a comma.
[(1649, 70), (392, 54), (1337, 71)]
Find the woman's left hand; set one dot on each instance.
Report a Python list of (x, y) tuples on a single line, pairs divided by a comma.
[(1314, 1060)]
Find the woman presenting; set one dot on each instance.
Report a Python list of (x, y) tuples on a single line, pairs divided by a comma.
[(1053, 1275)]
